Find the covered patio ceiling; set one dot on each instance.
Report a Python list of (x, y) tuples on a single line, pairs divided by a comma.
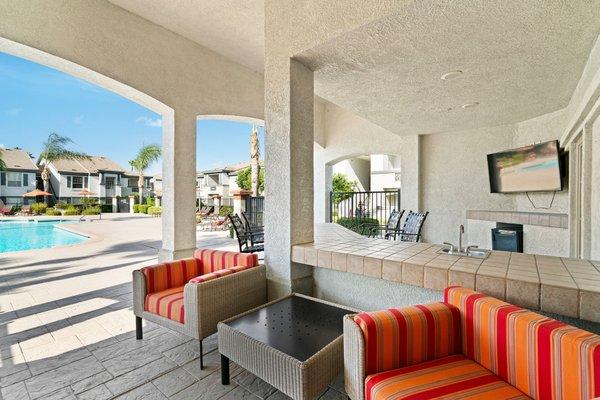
[(525, 62), (507, 62)]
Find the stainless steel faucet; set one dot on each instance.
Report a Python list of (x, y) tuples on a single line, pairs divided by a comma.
[(460, 233)]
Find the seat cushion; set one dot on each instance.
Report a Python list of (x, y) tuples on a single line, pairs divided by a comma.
[(400, 337), (544, 358), (167, 303), (452, 377)]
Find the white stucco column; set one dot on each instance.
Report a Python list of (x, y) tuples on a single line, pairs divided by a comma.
[(289, 197), (323, 175), (179, 186)]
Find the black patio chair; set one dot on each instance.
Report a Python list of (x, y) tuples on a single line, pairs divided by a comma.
[(411, 231), (249, 225), (249, 242), (387, 231)]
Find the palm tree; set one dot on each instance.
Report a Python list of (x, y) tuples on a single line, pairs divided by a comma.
[(55, 148), (146, 156)]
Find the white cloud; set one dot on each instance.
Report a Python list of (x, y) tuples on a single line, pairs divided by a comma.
[(13, 111), (78, 120), (155, 123)]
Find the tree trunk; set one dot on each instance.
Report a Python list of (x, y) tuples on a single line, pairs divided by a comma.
[(141, 187), (254, 161), (46, 180)]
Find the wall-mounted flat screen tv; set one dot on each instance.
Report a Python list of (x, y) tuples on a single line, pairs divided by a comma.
[(534, 168)]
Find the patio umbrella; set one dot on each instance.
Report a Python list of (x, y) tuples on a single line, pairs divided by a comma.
[(86, 193), (36, 193)]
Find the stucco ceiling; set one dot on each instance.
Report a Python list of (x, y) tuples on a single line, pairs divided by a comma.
[(233, 28), (519, 59)]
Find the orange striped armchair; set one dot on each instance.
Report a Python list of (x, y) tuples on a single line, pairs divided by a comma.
[(469, 346), (191, 296)]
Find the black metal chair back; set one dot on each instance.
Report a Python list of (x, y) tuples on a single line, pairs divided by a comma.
[(393, 222), (240, 231), (411, 231)]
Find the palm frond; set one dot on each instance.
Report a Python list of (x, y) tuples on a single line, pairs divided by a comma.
[(55, 148), (146, 156), (2, 163)]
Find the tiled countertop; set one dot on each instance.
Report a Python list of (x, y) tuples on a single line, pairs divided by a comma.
[(564, 286)]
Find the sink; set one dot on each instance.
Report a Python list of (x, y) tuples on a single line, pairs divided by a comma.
[(474, 253)]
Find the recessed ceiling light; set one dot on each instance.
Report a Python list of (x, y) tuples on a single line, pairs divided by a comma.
[(451, 75), (469, 105)]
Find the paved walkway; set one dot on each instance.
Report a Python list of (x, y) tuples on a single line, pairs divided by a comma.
[(67, 329)]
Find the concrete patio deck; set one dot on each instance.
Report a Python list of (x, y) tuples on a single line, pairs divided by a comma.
[(67, 329)]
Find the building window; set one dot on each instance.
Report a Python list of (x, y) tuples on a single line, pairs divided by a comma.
[(14, 179), (110, 183), (132, 183), (77, 182)]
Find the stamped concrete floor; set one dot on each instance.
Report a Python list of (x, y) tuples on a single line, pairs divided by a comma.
[(67, 329)]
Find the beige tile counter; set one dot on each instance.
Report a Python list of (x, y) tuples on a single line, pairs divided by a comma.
[(564, 286)]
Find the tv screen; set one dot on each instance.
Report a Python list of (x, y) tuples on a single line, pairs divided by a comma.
[(533, 168)]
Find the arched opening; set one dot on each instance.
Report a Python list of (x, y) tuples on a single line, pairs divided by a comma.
[(364, 187), (229, 182)]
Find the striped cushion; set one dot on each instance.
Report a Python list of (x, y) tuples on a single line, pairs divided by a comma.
[(214, 260), (453, 377), (542, 357), (167, 303), (396, 338), (212, 275), (170, 275)]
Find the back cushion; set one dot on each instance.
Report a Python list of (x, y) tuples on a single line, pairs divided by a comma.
[(172, 274), (399, 337), (214, 260), (542, 357)]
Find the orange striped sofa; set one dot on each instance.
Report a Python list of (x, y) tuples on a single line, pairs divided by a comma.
[(470, 346), (192, 295)]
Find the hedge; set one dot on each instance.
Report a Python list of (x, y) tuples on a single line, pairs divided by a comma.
[(71, 210), (53, 212), (136, 208), (106, 208), (143, 208), (91, 211), (155, 210), (39, 208), (225, 211), (357, 224)]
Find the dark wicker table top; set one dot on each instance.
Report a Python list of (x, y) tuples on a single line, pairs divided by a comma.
[(296, 326)]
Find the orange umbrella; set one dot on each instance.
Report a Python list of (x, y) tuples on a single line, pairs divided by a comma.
[(36, 193)]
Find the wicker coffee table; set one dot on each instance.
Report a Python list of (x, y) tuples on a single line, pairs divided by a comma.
[(294, 344)]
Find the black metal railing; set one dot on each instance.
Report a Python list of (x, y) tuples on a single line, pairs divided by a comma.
[(372, 205), (254, 210)]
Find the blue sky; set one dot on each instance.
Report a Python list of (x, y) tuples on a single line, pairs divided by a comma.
[(36, 100)]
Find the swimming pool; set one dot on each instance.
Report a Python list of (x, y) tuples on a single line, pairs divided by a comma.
[(28, 235)]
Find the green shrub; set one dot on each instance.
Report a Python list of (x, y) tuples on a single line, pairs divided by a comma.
[(95, 210), (136, 208), (154, 210), (225, 211), (53, 212), (39, 208), (143, 208), (106, 208), (61, 205), (136, 197), (15, 209), (71, 210), (357, 224), (150, 201)]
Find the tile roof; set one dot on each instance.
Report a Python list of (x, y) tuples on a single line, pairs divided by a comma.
[(18, 160), (93, 165)]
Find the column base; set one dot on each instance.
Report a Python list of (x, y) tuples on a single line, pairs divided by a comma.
[(170, 255), (278, 289)]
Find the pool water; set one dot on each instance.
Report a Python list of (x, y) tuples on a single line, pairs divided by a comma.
[(28, 235)]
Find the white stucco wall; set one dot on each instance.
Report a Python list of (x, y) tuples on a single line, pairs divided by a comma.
[(357, 170), (348, 135)]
